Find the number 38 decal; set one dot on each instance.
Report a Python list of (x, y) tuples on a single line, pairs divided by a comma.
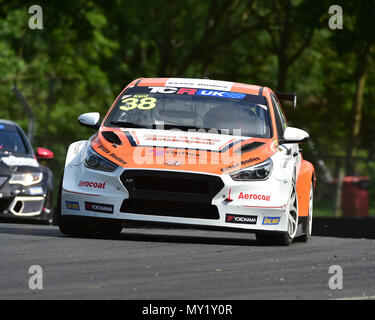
[(133, 103)]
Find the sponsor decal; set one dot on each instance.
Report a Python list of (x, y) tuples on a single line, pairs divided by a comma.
[(182, 153), (19, 161), (174, 142), (250, 196), (173, 152), (182, 139), (99, 207), (221, 94), (112, 155), (247, 161), (72, 205), (141, 93), (181, 91), (243, 163), (235, 218), (91, 184), (36, 191), (271, 220), (199, 84), (230, 167), (117, 158)]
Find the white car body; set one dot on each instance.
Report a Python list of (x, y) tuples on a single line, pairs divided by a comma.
[(144, 165)]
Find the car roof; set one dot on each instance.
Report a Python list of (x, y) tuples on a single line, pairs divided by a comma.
[(207, 84), (8, 122)]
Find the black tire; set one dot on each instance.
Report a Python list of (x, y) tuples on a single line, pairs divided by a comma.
[(81, 227), (73, 227), (274, 239), (308, 224), (68, 226), (109, 228), (57, 212), (284, 238), (48, 211)]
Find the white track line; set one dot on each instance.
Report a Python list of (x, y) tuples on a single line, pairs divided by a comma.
[(358, 298)]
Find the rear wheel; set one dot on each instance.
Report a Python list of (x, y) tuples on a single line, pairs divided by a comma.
[(308, 226)]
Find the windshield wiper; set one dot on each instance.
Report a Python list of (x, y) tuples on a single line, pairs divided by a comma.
[(125, 124)]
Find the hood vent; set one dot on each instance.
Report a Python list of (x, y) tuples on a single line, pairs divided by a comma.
[(249, 147), (111, 137)]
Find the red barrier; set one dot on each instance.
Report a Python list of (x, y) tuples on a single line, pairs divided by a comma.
[(355, 197)]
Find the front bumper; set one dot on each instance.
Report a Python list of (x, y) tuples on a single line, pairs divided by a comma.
[(20, 201), (179, 198)]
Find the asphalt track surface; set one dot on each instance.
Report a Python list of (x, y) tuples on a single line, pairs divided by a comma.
[(167, 264)]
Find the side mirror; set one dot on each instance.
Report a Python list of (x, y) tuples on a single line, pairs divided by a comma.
[(294, 135), (44, 154), (90, 120)]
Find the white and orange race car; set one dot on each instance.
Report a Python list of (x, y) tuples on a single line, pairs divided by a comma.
[(194, 153)]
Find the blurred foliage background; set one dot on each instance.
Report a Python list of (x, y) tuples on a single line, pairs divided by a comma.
[(88, 51)]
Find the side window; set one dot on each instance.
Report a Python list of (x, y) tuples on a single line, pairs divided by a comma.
[(281, 123)]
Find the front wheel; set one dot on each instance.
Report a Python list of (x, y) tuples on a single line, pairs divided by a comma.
[(285, 238), (82, 227), (109, 228), (69, 227)]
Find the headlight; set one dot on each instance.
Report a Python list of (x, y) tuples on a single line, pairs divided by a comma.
[(260, 171), (26, 179), (97, 162)]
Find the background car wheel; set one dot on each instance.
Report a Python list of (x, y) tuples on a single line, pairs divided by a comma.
[(285, 238)]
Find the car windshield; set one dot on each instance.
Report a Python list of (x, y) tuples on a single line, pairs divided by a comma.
[(11, 140), (230, 113)]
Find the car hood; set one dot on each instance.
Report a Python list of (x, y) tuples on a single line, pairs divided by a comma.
[(181, 150)]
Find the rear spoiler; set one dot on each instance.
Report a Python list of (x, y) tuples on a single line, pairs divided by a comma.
[(288, 97)]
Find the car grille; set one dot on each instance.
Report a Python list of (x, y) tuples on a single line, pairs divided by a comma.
[(166, 193)]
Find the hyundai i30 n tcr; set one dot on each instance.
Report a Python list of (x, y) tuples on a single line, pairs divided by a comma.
[(193, 153)]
